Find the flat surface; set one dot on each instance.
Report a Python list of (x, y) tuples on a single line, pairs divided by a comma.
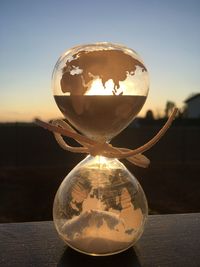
[(168, 240)]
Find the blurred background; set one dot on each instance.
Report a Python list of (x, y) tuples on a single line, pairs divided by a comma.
[(34, 34)]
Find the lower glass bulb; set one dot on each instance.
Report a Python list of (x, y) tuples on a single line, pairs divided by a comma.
[(100, 207)]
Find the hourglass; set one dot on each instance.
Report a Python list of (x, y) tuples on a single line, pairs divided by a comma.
[(100, 207)]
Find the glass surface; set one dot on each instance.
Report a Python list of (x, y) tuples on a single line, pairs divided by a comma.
[(100, 88), (100, 208)]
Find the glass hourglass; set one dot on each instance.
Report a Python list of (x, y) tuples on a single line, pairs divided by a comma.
[(100, 207)]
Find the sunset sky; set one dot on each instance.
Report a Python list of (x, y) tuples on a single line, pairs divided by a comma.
[(35, 33)]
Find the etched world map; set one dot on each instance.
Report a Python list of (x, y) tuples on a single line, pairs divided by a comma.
[(102, 209), (86, 66)]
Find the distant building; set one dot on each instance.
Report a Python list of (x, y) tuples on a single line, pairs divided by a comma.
[(193, 106)]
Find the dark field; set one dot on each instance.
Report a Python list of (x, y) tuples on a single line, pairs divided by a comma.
[(32, 167)]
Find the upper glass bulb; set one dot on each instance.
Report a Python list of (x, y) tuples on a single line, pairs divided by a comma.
[(100, 88)]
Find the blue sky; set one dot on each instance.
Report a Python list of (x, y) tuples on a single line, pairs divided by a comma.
[(34, 33)]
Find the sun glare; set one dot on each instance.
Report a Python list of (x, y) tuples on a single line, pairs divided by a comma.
[(97, 88), (133, 85)]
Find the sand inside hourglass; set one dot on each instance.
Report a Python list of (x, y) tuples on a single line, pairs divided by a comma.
[(100, 117)]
